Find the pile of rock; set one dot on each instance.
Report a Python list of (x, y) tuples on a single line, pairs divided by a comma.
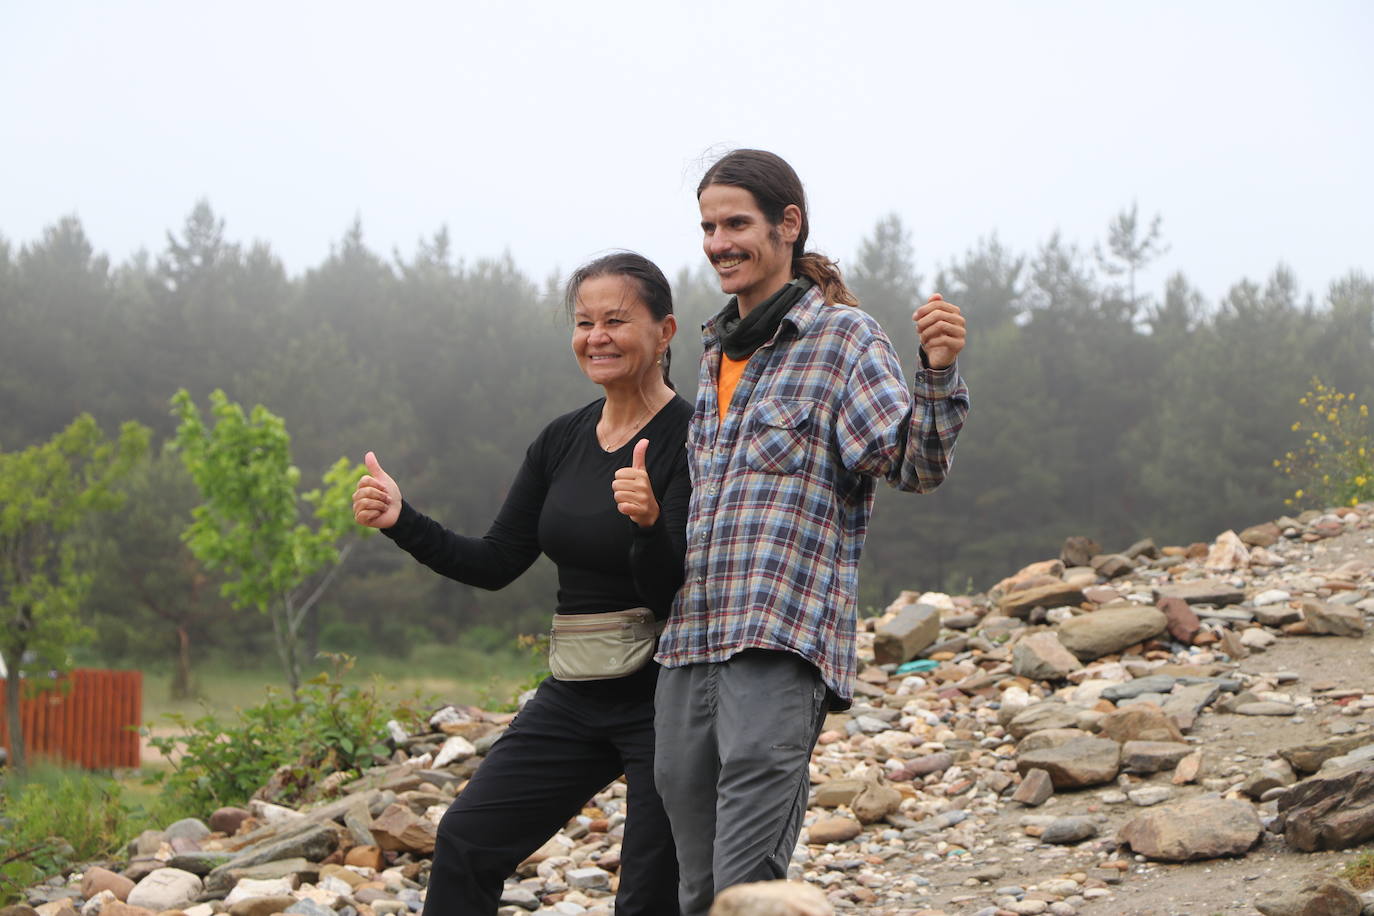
[(1029, 750)]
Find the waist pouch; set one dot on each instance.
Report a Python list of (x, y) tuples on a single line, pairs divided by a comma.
[(594, 647)]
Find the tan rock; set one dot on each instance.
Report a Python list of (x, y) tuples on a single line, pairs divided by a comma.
[(772, 898), (837, 829), (913, 628), (365, 857), (1139, 722), (1188, 769), (124, 909), (1200, 828), (1021, 602), (401, 830), (97, 879), (1325, 619), (347, 876), (1035, 789), (1040, 656), (837, 792), (875, 802), (262, 906)]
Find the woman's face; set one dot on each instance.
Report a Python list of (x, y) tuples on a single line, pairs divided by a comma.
[(616, 339)]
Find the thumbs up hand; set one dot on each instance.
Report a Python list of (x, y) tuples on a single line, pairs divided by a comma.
[(634, 496), (377, 501)]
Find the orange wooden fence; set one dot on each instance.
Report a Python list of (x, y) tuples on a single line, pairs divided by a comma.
[(86, 722)]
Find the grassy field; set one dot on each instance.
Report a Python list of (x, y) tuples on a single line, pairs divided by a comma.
[(105, 809), (443, 673)]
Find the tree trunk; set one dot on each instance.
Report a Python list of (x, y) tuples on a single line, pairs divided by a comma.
[(285, 635), (16, 748), (181, 679)]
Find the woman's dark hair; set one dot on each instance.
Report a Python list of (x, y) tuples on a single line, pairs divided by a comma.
[(774, 185), (650, 284)]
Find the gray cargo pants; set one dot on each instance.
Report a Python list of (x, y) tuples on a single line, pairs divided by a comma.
[(733, 742)]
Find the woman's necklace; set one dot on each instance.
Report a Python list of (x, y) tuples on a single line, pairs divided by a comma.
[(612, 442)]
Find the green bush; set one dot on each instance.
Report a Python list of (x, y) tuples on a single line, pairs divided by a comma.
[(54, 818), (329, 728), (1334, 460)]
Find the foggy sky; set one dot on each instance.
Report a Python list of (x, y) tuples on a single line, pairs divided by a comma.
[(555, 130)]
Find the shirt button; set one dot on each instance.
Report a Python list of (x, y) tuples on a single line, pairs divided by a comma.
[(703, 537)]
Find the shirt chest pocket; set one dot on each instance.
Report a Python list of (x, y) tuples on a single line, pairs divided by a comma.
[(778, 432)]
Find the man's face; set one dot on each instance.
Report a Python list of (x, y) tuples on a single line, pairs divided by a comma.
[(752, 257)]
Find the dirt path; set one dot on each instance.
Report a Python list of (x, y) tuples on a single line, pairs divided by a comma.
[(1242, 743)]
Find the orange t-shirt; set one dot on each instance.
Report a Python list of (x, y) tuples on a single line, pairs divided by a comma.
[(730, 372)]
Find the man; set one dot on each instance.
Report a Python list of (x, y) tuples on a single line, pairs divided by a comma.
[(801, 407)]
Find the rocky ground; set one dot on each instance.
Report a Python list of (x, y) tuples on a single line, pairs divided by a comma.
[(1162, 731)]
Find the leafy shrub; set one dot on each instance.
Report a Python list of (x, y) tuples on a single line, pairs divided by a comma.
[(536, 647), (1360, 871), (1334, 463), (55, 818), (329, 728)]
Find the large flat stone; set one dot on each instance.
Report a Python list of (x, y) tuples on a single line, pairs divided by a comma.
[(1075, 764), (1199, 828), (1056, 594), (1110, 630), (1201, 591)]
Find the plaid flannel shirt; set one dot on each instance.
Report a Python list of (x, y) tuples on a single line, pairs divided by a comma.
[(783, 487)]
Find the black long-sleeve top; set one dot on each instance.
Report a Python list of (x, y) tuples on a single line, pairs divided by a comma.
[(561, 504)]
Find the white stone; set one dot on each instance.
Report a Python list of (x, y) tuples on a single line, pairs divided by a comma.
[(335, 885), (1227, 553), (1146, 796), (1271, 596), (269, 813), (166, 889), (448, 716), (1063, 887), (97, 903), (248, 888), (455, 750)]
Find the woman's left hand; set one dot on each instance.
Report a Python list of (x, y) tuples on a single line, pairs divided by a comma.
[(633, 494)]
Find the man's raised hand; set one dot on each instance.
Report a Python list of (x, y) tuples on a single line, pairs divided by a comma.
[(633, 494), (941, 328), (377, 501)]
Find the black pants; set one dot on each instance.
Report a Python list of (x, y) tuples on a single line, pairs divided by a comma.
[(569, 742)]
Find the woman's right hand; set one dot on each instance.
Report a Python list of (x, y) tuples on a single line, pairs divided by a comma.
[(377, 501)]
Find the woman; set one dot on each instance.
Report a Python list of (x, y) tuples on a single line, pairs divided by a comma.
[(603, 491)]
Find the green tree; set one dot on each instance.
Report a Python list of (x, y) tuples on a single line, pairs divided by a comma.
[(1130, 246), (884, 278), (151, 599), (250, 520), (52, 489)]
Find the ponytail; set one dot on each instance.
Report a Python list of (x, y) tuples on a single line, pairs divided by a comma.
[(825, 273)]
